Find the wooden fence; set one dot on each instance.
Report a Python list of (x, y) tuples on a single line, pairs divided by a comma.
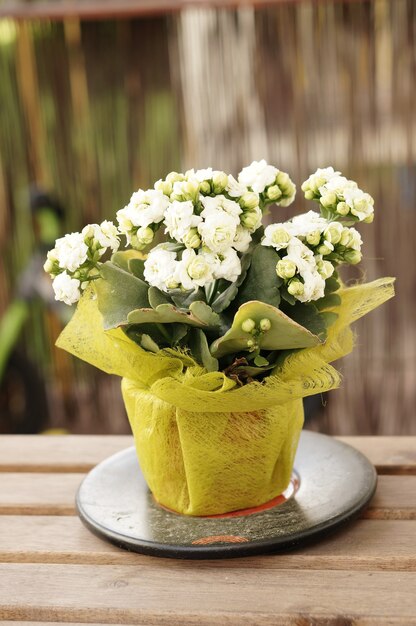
[(92, 109)]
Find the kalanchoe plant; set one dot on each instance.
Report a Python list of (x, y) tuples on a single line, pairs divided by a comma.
[(235, 296)]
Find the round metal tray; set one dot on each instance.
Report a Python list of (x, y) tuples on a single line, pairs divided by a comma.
[(331, 484)]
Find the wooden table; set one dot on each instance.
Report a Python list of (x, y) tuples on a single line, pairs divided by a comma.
[(53, 570)]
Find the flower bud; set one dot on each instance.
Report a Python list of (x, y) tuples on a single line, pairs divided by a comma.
[(309, 195), (313, 238), (265, 325), (305, 186), (326, 269), (369, 219), (250, 220), (48, 266), (142, 238), (286, 268), (248, 325), (219, 182), (283, 180), (353, 257), (273, 193), (174, 177), (205, 187), (252, 344), (295, 287), (328, 199), (249, 200), (164, 186), (343, 208), (346, 238), (323, 249), (192, 239), (333, 232)]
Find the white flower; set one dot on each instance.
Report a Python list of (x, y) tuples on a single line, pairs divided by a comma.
[(338, 185), (160, 267), (180, 218), (194, 270), (71, 251), (145, 208), (303, 257), (234, 188), (66, 289), (319, 178), (306, 223), (361, 204), (351, 238), (218, 230), (242, 239), (228, 266), (201, 175), (102, 236), (220, 203), (258, 175), (107, 235), (277, 236)]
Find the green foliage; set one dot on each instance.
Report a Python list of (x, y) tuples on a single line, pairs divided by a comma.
[(199, 314), (284, 332), (198, 345), (118, 293), (262, 282), (226, 292)]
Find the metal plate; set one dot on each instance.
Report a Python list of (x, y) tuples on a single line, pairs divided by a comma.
[(331, 485)]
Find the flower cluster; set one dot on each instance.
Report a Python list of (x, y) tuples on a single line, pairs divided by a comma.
[(211, 215), (339, 197), (73, 263), (309, 248), (210, 218)]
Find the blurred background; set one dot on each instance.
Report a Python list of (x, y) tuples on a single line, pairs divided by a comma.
[(98, 99)]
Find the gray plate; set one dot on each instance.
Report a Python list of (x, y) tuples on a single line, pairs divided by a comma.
[(331, 485)]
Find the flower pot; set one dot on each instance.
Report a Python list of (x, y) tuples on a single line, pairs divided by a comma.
[(207, 463)]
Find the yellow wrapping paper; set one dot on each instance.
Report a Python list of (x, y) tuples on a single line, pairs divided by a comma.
[(206, 446)]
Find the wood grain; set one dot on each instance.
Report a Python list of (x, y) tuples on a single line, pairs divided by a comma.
[(78, 453), (58, 453), (54, 494), (187, 593), (363, 545)]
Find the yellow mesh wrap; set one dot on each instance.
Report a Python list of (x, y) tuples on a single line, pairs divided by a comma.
[(205, 445)]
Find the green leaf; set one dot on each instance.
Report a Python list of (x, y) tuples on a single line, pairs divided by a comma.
[(119, 293), (156, 297), (123, 257), (136, 267), (328, 302), (262, 282), (183, 299), (225, 296), (308, 316), (199, 314), (198, 345), (260, 361), (284, 333)]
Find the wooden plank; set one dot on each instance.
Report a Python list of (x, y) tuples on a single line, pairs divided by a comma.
[(362, 545), (33, 494), (187, 593), (390, 455), (54, 494), (58, 453), (79, 453)]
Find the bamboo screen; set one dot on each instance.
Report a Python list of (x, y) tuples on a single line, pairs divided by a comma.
[(91, 110)]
